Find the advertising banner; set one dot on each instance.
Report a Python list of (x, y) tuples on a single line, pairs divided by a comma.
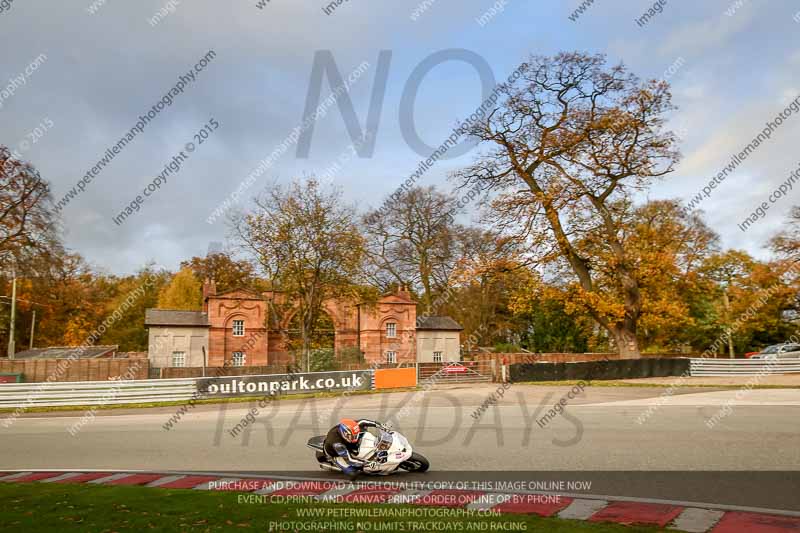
[(395, 378), (297, 383)]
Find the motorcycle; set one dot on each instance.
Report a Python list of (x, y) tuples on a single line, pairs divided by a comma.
[(391, 447)]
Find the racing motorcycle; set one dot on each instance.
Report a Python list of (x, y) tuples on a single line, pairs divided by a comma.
[(392, 447)]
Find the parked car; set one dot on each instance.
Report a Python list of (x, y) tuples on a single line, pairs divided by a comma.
[(779, 351)]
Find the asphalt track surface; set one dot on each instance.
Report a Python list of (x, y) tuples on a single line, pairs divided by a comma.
[(750, 457)]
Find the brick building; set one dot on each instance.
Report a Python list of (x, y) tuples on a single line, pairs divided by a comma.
[(237, 331), (387, 332), (244, 328)]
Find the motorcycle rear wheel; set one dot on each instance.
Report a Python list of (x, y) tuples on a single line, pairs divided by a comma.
[(416, 463)]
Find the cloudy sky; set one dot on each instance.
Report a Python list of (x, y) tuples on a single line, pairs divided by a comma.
[(733, 64)]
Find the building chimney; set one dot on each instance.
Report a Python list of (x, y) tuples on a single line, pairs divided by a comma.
[(209, 289), (403, 292)]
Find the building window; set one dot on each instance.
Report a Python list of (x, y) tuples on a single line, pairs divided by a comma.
[(391, 357), (391, 330), (239, 358), (437, 357), (238, 328), (179, 359)]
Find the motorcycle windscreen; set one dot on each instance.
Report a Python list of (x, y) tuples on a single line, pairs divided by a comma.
[(316, 442), (385, 442)]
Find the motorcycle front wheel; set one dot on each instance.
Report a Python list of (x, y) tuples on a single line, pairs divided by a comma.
[(416, 463)]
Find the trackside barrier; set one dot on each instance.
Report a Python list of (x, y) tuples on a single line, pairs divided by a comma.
[(95, 392), (743, 367), (599, 370), (52, 394)]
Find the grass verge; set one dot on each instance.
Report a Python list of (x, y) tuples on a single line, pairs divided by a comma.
[(61, 507)]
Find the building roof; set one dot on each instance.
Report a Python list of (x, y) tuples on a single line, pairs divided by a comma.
[(169, 317), (440, 323), (65, 352), (131, 355)]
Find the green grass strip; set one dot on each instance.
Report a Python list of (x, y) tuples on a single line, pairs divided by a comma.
[(65, 508)]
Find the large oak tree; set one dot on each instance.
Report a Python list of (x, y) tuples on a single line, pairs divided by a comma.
[(28, 224), (570, 142)]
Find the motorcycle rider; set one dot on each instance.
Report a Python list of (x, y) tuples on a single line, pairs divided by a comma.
[(343, 440)]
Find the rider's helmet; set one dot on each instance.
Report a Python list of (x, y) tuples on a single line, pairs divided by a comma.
[(349, 430)]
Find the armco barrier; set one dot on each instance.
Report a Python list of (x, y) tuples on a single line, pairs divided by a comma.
[(25, 395), (50, 394), (95, 392), (599, 370), (743, 367)]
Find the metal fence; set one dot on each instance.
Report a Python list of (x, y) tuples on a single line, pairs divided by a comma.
[(743, 367), (96, 392), (455, 372)]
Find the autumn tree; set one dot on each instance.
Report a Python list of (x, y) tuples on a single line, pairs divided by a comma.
[(228, 273), (306, 240), (70, 300), (545, 325), (413, 240), (748, 299), (28, 238), (787, 242), (54, 284), (133, 295), (183, 293), (486, 273), (27, 218), (666, 247), (568, 145)]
